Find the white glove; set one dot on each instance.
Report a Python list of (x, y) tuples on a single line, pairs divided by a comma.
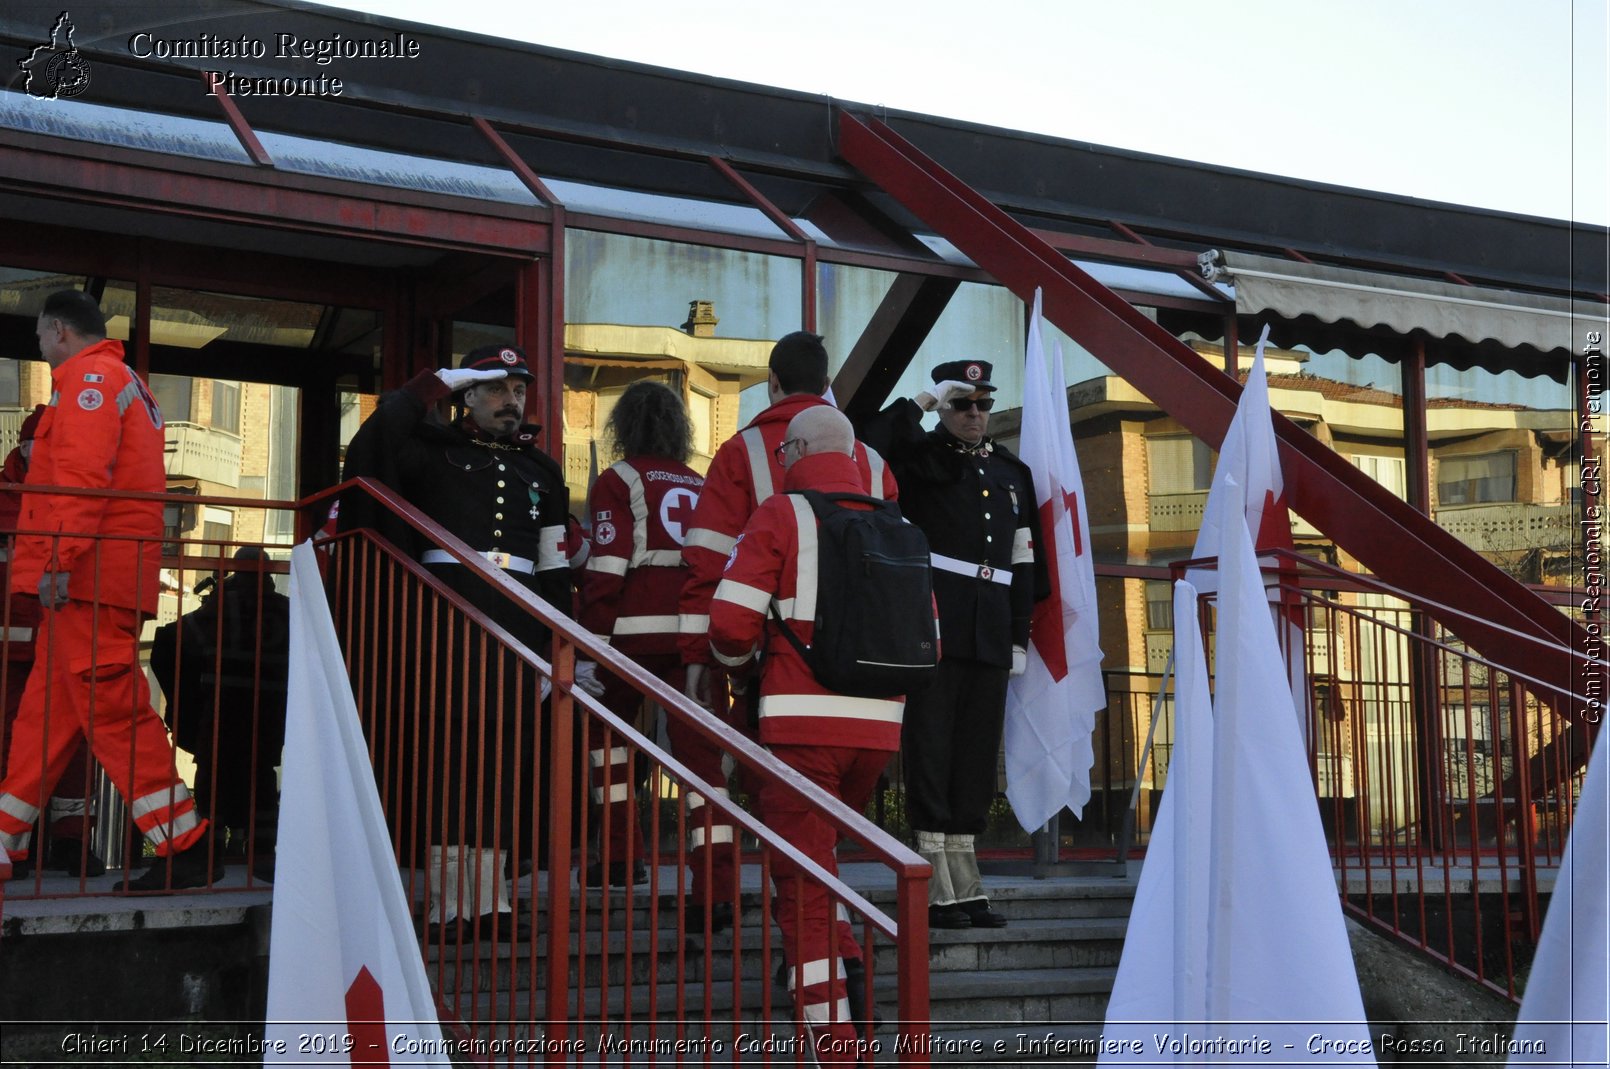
[(587, 678), (697, 686), (942, 393), (456, 378), (1020, 660), (547, 688)]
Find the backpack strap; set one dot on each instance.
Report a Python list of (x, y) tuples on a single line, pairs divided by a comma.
[(788, 632), (824, 504)]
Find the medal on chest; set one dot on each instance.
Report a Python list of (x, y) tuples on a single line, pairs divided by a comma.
[(536, 502)]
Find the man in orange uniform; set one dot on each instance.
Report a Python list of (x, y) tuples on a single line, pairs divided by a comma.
[(70, 812), (95, 576)]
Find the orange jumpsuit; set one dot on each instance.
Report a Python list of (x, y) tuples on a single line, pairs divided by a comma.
[(19, 621), (101, 430)]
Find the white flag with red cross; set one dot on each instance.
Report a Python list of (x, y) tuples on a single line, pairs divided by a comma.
[(1250, 454), (344, 963), (1051, 708)]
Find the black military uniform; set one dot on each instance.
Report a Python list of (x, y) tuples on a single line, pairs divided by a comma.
[(976, 504), (503, 496), (507, 500), (223, 669)]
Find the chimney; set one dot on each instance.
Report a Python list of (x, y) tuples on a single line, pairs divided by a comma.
[(701, 319)]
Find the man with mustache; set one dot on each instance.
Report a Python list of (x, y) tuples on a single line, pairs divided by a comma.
[(480, 475)]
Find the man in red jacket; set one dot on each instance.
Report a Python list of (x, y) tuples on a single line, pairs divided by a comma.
[(96, 577), (70, 813), (839, 742), (642, 508), (745, 472)]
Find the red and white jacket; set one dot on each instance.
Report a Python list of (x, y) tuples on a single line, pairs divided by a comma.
[(642, 509), (775, 558), (743, 475)]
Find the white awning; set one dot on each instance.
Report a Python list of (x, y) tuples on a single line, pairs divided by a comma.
[(1403, 305)]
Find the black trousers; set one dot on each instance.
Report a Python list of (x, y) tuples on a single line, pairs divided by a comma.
[(950, 747)]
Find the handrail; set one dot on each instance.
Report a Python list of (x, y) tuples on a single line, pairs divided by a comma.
[(883, 845), (1364, 582)]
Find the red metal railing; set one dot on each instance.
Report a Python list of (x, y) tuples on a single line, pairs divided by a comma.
[(1446, 781), (641, 973)]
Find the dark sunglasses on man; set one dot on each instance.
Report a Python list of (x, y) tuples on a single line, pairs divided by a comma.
[(967, 404)]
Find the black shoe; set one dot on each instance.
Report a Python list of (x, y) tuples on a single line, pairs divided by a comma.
[(22, 868), (511, 927), (69, 856), (981, 916), (189, 870), (948, 917), (263, 869), (720, 916), (617, 874)]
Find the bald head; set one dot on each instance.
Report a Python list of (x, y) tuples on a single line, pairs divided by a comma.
[(820, 429)]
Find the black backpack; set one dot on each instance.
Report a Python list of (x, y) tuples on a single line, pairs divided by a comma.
[(875, 634)]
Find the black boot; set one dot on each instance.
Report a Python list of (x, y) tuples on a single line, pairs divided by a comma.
[(190, 869), (71, 857), (855, 990)]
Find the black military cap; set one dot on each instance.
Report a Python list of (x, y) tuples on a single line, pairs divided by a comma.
[(973, 372), (508, 358)]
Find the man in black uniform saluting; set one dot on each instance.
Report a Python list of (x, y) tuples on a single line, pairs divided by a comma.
[(481, 476), (975, 502)]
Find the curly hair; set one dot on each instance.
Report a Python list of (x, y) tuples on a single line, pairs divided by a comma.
[(649, 420)]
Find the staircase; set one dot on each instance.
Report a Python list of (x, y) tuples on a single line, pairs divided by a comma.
[(1034, 992)]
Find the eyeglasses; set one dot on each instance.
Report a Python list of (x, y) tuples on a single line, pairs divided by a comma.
[(967, 404), (781, 452)]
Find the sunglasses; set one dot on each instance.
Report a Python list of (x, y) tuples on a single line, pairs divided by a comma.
[(967, 404)]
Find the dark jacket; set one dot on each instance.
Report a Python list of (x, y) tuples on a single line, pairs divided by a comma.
[(977, 508)]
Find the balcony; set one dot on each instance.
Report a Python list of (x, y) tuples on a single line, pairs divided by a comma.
[(198, 452), (1507, 526), (1177, 512)]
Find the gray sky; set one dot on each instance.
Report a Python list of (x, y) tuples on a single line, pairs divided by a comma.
[(1494, 103)]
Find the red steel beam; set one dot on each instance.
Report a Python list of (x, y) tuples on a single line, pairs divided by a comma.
[(1388, 536), (237, 122)]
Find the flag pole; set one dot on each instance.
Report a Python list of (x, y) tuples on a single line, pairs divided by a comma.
[(1126, 833)]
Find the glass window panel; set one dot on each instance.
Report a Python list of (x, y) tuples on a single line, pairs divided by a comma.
[(81, 121), (1159, 605), (659, 208), (702, 320), (396, 169), (1179, 464), (1505, 459), (620, 279), (173, 394), (1474, 480), (191, 319), (226, 406)]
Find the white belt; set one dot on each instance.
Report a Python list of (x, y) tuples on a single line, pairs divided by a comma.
[(507, 561), (988, 573)]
